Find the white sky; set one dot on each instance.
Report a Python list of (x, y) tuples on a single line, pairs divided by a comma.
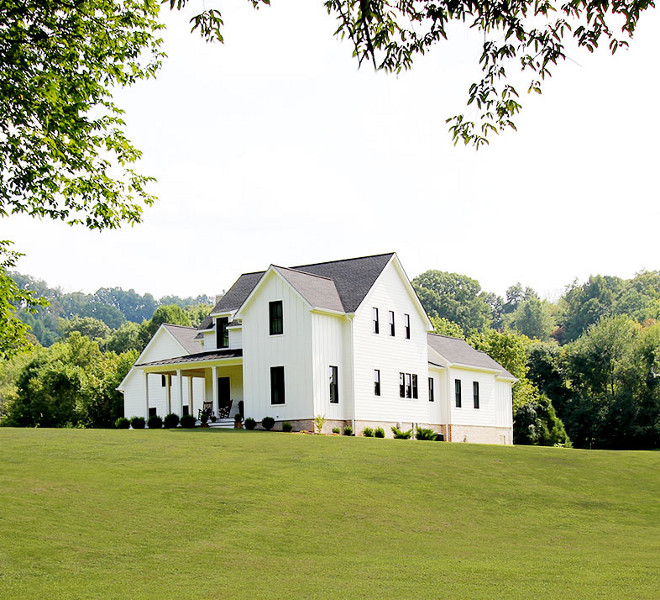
[(274, 148)]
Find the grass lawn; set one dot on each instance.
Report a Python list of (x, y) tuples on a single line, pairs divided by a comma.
[(223, 514)]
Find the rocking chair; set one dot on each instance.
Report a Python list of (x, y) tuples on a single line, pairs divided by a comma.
[(207, 409), (223, 411)]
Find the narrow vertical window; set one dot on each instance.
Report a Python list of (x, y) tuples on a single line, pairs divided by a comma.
[(222, 335), (431, 390), (277, 385), (376, 382), (375, 319), (408, 386), (402, 385), (414, 387), (457, 390), (406, 323), (475, 393), (392, 327), (275, 317), (163, 380), (334, 385)]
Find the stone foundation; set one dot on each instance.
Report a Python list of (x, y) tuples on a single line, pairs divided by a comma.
[(474, 434)]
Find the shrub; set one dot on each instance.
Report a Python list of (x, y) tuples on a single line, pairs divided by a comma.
[(213, 418), (319, 422), (250, 423), (171, 421), (336, 430), (423, 433), (368, 432), (238, 418), (268, 423), (379, 432), (401, 435), (137, 422), (155, 422), (204, 418), (188, 421), (287, 427), (348, 430), (122, 423)]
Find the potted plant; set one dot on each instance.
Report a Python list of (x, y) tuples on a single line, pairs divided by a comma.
[(204, 418), (238, 421)]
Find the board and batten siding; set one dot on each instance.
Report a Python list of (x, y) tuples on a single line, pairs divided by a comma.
[(292, 350), (390, 354), (330, 340), (504, 400)]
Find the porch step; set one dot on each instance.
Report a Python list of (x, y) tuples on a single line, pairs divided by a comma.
[(223, 423)]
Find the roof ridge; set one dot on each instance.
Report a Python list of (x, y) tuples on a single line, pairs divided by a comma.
[(182, 326), (295, 270), (449, 337), (327, 262)]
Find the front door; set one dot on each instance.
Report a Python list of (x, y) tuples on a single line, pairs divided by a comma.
[(224, 397)]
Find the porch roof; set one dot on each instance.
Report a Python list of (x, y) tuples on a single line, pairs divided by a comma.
[(198, 357)]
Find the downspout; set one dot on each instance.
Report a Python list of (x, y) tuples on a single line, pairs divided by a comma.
[(449, 419), (350, 317)]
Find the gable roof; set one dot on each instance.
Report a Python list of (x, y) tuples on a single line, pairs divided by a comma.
[(459, 352), (319, 291), (185, 336)]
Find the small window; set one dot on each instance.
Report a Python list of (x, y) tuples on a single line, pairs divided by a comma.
[(406, 323), (402, 385), (186, 410), (457, 390), (334, 385), (163, 380), (414, 387), (431, 390), (222, 335), (376, 382), (152, 411), (277, 385), (408, 386), (392, 327), (375, 319), (276, 321), (475, 393)]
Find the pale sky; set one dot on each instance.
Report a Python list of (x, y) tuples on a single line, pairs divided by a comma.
[(275, 148)]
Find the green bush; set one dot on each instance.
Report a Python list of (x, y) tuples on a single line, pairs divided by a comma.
[(155, 422), (287, 427), (336, 430), (348, 430), (379, 432), (268, 423), (122, 423), (188, 421), (204, 418), (137, 422), (423, 433), (250, 423), (238, 418), (171, 421), (368, 432), (401, 435)]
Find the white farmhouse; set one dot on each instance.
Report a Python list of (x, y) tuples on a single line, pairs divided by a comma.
[(347, 339)]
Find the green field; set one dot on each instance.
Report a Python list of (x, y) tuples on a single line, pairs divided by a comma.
[(210, 514)]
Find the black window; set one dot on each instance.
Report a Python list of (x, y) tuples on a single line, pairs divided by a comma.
[(186, 410), (392, 327), (402, 385), (375, 319), (431, 396), (408, 386), (276, 321), (414, 386), (376, 382), (222, 335), (163, 380), (475, 393), (457, 390), (334, 385), (277, 385), (152, 411), (406, 322)]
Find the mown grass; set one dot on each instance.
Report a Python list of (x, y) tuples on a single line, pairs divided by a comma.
[(205, 514)]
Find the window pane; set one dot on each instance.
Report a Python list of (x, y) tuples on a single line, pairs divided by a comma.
[(376, 382), (408, 386), (457, 389), (222, 335), (414, 386), (402, 385), (275, 318), (334, 388), (277, 385), (431, 398), (375, 320), (392, 327), (406, 320), (475, 393)]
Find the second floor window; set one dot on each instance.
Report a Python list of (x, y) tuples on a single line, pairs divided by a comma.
[(376, 382), (275, 318), (222, 335), (475, 393), (392, 327), (406, 324), (334, 385), (376, 324), (457, 392)]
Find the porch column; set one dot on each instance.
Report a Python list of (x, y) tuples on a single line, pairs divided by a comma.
[(178, 374), (146, 395), (168, 394), (214, 387), (190, 395)]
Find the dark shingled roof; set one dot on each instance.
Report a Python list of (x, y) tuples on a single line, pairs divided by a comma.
[(319, 291), (199, 356), (458, 351), (236, 294), (185, 336)]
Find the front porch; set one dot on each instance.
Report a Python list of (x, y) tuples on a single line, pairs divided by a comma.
[(190, 381)]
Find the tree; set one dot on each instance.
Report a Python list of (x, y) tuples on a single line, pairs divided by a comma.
[(523, 35), (444, 326), (170, 313), (87, 326), (126, 338), (532, 318)]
